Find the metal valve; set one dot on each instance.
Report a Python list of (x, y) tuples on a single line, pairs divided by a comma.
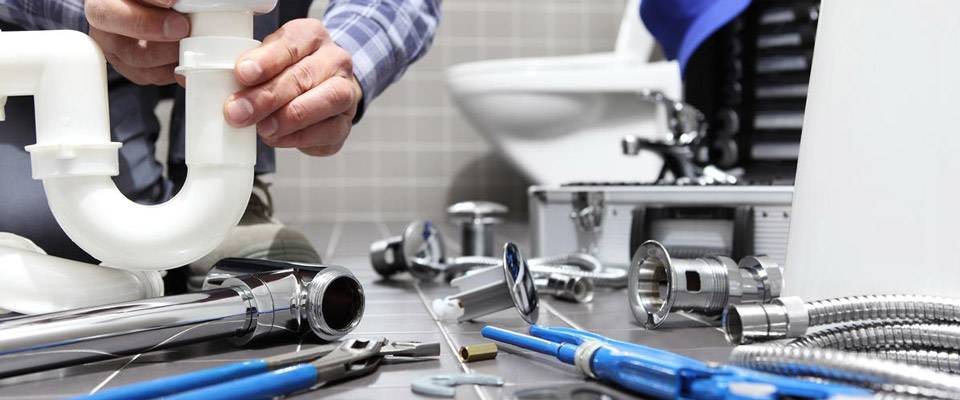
[(494, 289), (477, 220), (659, 284)]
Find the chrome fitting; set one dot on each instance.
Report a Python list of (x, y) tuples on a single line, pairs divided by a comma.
[(483, 292), (659, 284), (783, 318), (476, 220), (565, 287), (418, 251)]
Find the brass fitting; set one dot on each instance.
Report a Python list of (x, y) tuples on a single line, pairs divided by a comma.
[(478, 352)]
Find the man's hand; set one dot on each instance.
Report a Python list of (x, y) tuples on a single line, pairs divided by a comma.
[(139, 37), (300, 90)]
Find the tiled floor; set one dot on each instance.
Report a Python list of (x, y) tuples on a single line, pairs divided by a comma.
[(398, 309)]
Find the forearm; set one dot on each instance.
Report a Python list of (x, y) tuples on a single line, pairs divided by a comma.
[(44, 14), (384, 37)]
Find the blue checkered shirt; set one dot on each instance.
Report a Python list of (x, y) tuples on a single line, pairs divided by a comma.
[(384, 36)]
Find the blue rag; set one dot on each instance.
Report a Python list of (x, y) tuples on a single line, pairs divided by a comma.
[(681, 26)]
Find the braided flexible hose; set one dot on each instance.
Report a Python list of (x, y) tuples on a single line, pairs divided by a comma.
[(883, 335), (883, 307), (844, 367)]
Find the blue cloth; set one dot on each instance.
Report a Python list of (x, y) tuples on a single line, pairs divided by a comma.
[(681, 26), (383, 36)]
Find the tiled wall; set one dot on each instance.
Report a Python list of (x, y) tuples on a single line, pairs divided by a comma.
[(413, 154)]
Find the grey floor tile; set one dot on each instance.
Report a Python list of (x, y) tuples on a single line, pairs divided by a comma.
[(396, 308)]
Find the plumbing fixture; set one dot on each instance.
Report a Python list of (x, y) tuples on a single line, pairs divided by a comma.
[(243, 300), (493, 289), (421, 251), (446, 385), (476, 220), (659, 284), (478, 352), (790, 317), (416, 251), (565, 287), (36, 283), (682, 149), (75, 158)]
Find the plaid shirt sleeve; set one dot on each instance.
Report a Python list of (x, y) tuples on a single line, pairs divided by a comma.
[(44, 14), (384, 37)]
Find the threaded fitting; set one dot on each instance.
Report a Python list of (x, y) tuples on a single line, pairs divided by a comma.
[(659, 284), (783, 318)]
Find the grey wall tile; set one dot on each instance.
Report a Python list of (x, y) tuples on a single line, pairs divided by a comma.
[(414, 153)]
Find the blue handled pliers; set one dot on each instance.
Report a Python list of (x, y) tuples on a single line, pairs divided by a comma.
[(662, 374), (276, 376)]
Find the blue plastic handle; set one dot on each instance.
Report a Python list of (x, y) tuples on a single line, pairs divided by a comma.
[(181, 383), (662, 374), (263, 386)]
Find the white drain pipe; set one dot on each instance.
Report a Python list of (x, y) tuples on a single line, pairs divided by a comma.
[(65, 72)]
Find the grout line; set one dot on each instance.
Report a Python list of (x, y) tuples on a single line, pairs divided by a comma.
[(446, 337), (568, 321), (114, 374), (334, 241), (706, 323)]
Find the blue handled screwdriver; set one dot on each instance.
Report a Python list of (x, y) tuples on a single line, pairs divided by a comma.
[(662, 374)]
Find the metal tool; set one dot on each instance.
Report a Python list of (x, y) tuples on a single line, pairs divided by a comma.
[(476, 220), (478, 352), (493, 289), (446, 385), (659, 284), (243, 300), (231, 372), (352, 358), (660, 374), (421, 251)]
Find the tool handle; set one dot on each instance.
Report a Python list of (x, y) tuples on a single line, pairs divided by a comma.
[(563, 351), (263, 386), (181, 383)]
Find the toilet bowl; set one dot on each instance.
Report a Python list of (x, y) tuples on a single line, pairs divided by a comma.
[(561, 119)]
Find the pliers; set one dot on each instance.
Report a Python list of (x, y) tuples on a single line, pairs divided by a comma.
[(279, 375)]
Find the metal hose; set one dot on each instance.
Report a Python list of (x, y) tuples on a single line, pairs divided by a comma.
[(883, 335), (877, 374), (879, 307), (790, 317)]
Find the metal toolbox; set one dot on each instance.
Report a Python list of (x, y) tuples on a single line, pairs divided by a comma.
[(611, 220)]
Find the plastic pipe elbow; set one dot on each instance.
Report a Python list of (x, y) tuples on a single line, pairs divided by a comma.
[(123, 234)]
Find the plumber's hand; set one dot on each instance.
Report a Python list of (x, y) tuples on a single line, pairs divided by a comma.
[(300, 90), (139, 37)]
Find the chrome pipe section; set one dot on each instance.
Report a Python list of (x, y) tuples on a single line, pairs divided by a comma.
[(791, 317), (563, 287), (243, 300), (659, 284)]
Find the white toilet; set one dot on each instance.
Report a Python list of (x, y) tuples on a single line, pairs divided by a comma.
[(561, 119)]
